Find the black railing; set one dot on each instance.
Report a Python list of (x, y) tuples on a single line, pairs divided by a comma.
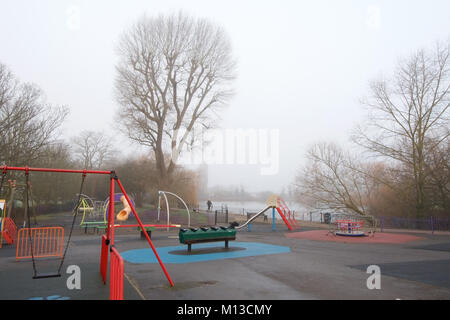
[(430, 223)]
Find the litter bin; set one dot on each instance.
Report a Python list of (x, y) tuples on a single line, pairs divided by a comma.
[(327, 218)]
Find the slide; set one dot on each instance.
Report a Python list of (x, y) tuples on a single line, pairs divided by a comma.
[(277, 203), (253, 218)]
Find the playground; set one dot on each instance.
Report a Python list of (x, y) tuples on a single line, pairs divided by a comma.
[(71, 257)]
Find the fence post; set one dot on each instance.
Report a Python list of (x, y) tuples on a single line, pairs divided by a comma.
[(381, 224), (226, 213), (215, 217), (104, 259), (432, 225)]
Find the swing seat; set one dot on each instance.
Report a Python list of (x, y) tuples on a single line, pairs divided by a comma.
[(47, 275)]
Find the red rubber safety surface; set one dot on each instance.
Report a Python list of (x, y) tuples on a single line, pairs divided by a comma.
[(321, 235)]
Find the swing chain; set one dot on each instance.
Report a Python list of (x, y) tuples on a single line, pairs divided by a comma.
[(3, 179), (27, 212), (74, 214)]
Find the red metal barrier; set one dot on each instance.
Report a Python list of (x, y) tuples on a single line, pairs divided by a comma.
[(104, 259), (116, 276), (9, 231), (46, 242)]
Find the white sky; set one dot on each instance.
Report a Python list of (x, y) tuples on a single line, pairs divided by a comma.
[(303, 65)]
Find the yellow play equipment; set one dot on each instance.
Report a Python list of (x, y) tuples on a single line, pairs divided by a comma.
[(86, 207)]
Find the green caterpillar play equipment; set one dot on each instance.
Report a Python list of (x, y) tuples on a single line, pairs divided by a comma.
[(206, 234)]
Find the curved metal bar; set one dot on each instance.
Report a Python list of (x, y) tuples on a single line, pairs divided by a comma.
[(253, 218), (168, 209), (159, 204), (84, 205), (167, 204)]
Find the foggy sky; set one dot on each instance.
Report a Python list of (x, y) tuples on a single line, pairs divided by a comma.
[(302, 65)]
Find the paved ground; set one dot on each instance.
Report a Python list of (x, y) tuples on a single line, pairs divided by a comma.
[(310, 270)]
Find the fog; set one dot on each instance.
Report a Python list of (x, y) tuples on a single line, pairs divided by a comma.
[(302, 66)]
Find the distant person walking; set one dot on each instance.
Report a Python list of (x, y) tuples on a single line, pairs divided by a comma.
[(209, 204)]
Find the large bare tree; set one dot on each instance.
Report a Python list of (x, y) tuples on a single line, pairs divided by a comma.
[(27, 122), (409, 115), (173, 73)]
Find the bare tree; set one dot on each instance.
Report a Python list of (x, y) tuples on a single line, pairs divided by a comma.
[(329, 180), (438, 177), (409, 115), (174, 72), (137, 174), (27, 122), (53, 187), (93, 149)]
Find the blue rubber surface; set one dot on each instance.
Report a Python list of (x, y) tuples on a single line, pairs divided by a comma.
[(251, 249)]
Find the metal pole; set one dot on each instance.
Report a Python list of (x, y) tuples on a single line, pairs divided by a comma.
[(110, 228), (273, 220), (159, 203), (432, 225), (6, 168), (226, 212), (145, 233), (168, 209), (182, 201), (147, 225)]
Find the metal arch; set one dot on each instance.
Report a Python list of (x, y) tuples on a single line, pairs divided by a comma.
[(167, 206), (84, 197), (86, 201)]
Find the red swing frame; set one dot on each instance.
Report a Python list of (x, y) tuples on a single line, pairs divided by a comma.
[(108, 239)]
